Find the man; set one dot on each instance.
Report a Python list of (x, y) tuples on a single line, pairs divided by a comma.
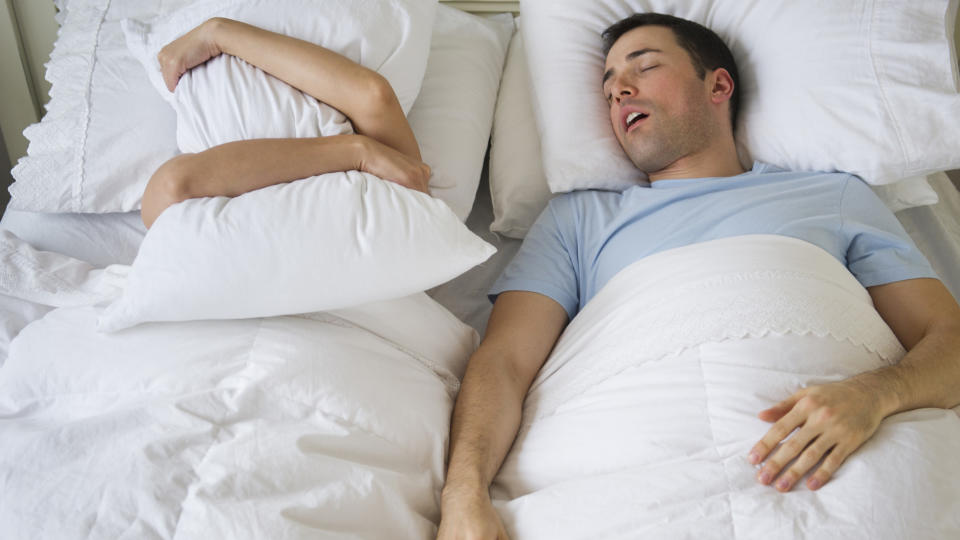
[(671, 87)]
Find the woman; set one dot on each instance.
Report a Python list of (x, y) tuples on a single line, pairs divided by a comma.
[(383, 143)]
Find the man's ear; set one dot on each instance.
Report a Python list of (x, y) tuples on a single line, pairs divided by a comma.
[(721, 85)]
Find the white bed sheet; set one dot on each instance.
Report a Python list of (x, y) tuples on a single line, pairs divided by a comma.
[(103, 239)]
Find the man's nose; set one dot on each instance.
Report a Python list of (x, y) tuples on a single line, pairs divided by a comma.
[(623, 89)]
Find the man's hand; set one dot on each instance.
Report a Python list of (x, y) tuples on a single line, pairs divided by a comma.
[(190, 50), (469, 517), (831, 421), (381, 160)]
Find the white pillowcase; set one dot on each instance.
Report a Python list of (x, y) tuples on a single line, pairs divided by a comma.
[(518, 187), (452, 117), (226, 99), (328, 242), (864, 86), (105, 129)]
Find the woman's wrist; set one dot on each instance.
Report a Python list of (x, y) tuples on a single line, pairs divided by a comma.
[(215, 32)]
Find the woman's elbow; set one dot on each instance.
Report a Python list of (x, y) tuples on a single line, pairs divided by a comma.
[(169, 185)]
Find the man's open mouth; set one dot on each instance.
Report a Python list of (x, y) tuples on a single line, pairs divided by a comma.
[(635, 117)]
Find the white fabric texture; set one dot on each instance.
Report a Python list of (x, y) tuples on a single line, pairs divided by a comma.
[(391, 37), (909, 192), (51, 279), (227, 99), (852, 86), (640, 421), (321, 243), (32, 282), (518, 187), (291, 427), (452, 116)]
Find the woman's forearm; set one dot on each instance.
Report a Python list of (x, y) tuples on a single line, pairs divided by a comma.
[(235, 168), (361, 94)]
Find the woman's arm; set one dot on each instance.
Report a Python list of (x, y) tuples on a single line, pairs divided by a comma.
[(235, 168), (363, 95)]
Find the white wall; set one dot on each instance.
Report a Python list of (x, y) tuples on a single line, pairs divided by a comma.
[(36, 18)]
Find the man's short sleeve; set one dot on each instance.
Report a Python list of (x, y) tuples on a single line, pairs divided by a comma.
[(545, 263), (879, 250)]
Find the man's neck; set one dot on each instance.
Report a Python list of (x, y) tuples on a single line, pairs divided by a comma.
[(710, 163)]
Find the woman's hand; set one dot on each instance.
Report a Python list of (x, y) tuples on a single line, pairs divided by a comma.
[(189, 50), (469, 517), (381, 160), (831, 421)]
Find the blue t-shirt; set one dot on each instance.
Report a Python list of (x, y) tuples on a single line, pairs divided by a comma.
[(582, 239)]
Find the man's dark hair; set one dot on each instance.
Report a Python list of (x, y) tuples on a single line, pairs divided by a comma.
[(707, 51)]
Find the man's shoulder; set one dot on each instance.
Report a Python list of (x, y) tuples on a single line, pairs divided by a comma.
[(584, 198)]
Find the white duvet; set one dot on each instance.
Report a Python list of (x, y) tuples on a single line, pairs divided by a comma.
[(330, 425), (639, 423)]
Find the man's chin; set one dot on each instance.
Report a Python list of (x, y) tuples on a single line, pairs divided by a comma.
[(648, 166)]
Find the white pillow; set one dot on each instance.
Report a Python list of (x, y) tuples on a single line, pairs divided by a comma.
[(862, 86), (391, 37), (321, 243), (518, 187), (105, 129), (452, 117), (909, 192), (226, 99)]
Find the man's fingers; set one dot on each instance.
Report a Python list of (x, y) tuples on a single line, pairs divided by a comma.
[(807, 460), (785, 454), (777, 411), (825, 471), (780, 430)]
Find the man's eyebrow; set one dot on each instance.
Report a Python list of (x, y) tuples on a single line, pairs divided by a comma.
[(631, 56)]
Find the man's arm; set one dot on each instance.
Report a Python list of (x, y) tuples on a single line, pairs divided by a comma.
[(523, 329), (361, 94), (235, 168), (835, 419)]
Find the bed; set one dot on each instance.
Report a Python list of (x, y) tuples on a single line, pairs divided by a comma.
[(272, 408)]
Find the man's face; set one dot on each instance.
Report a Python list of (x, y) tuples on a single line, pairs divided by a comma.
[(659, 107)]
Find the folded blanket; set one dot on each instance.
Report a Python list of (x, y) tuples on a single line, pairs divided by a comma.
[(639, 423)]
